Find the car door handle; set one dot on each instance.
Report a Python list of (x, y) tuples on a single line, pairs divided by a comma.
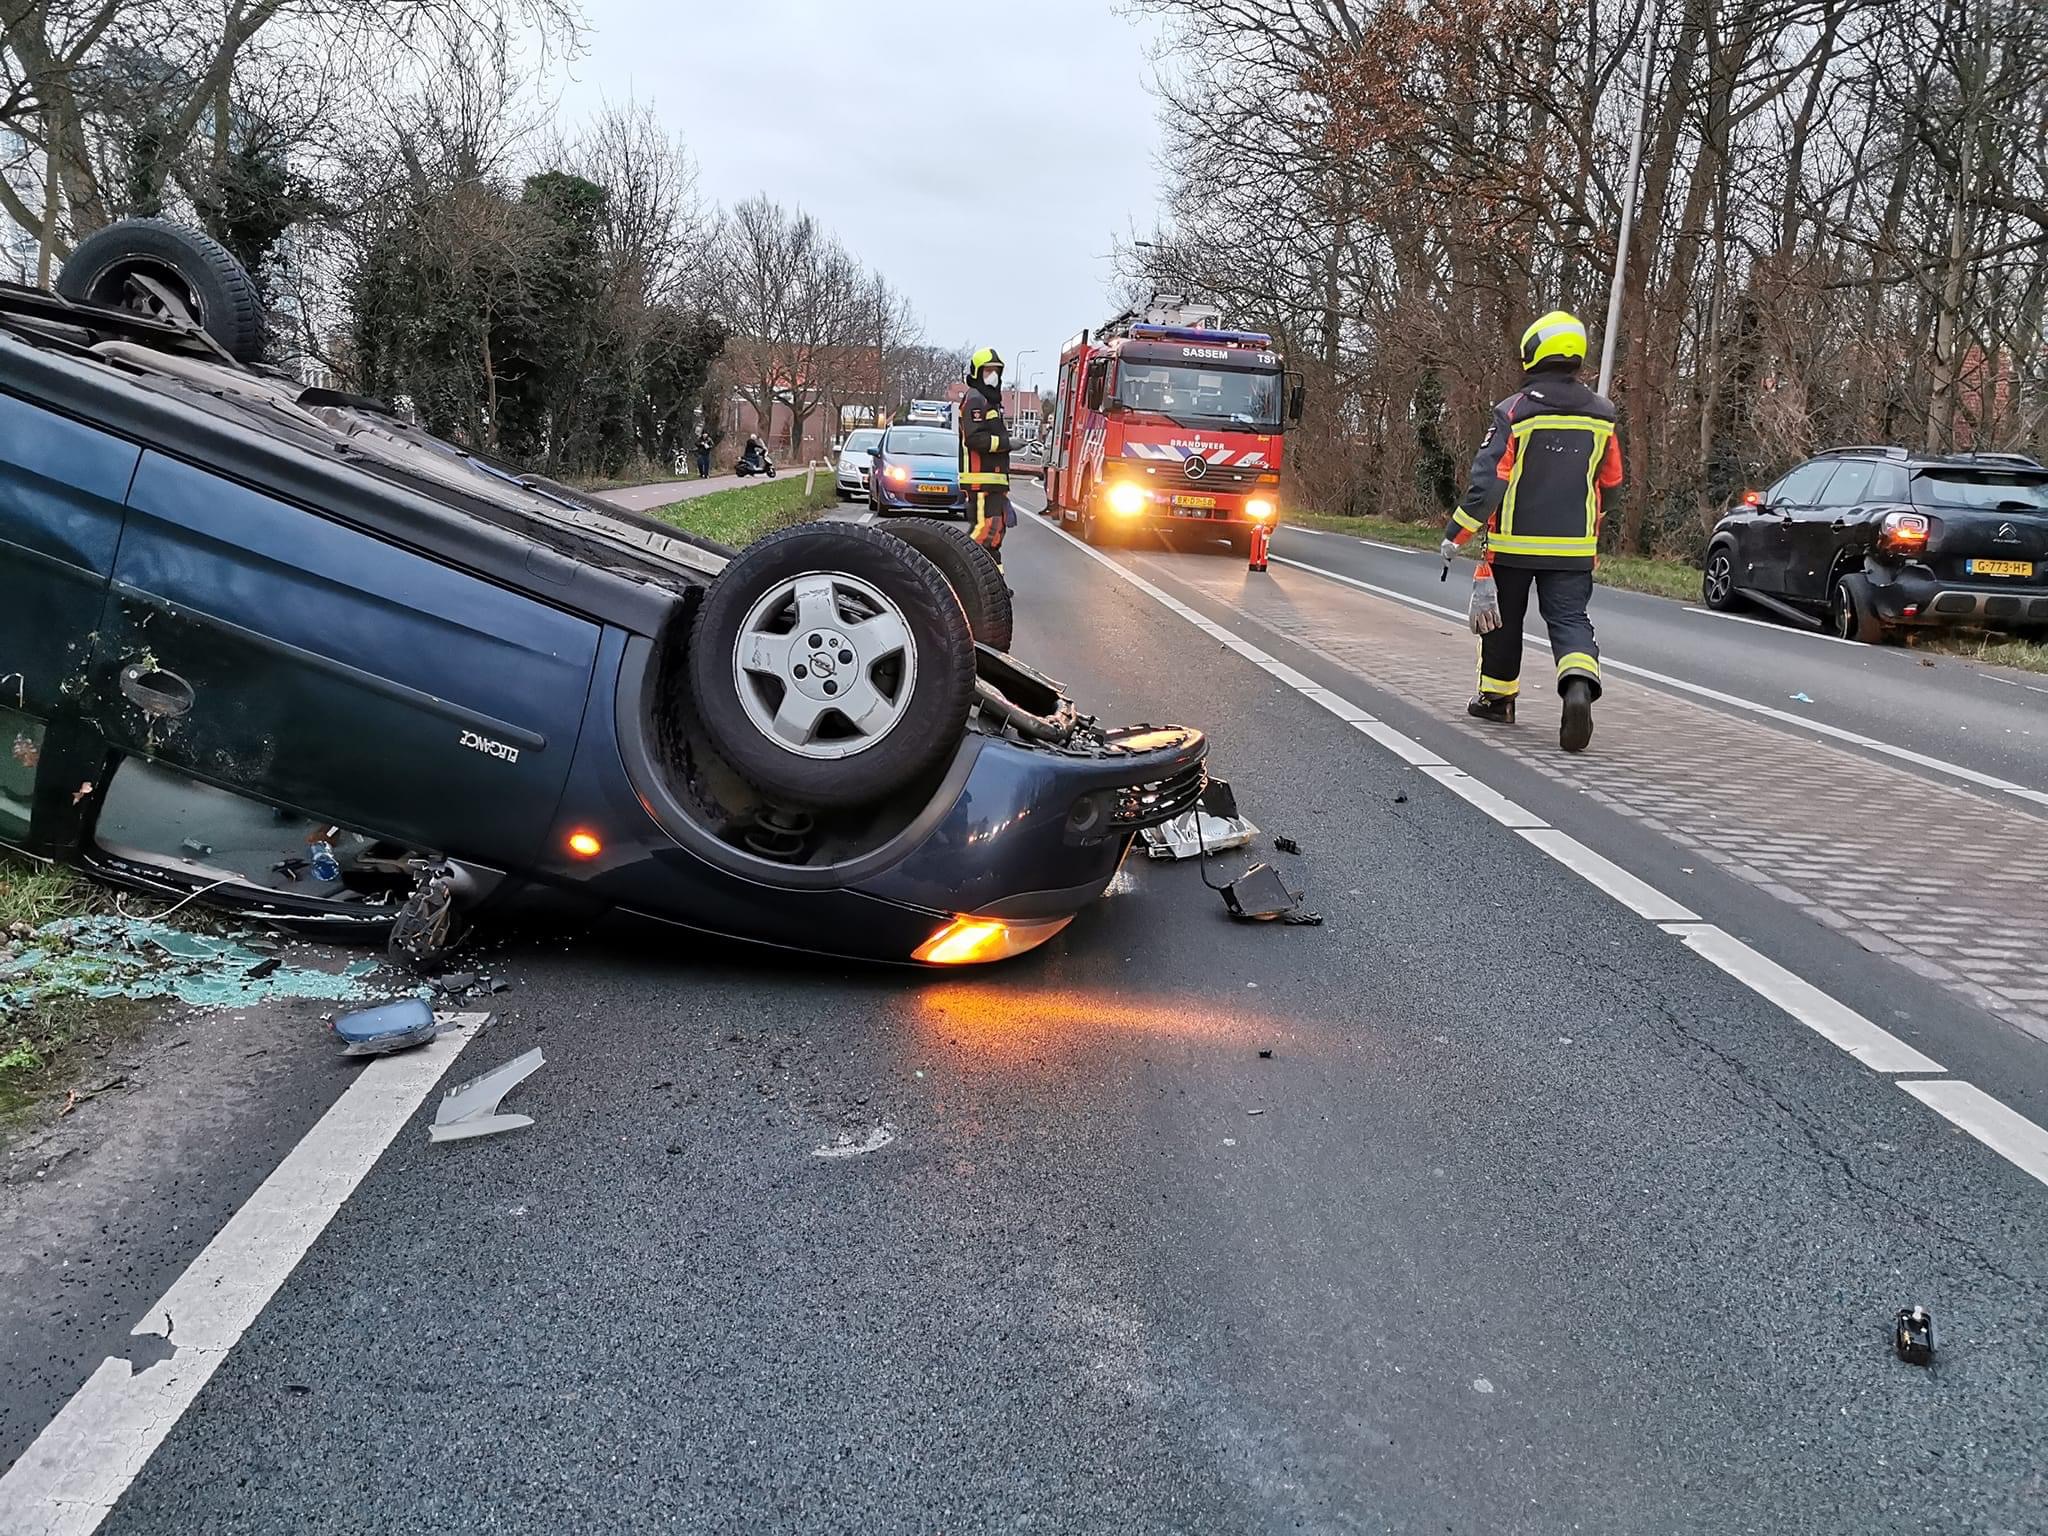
[(162, 695)]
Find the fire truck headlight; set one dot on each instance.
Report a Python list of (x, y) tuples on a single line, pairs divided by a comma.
[(1259, 508), (1126, 500)]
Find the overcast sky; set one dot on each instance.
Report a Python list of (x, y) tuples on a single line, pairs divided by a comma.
[(983, 158)]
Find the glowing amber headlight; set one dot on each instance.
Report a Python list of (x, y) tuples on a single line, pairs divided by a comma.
[(978, 940), (1258, 508), (1126, 500)]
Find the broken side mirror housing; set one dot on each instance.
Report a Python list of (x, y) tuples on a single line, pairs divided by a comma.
[(1297, 397)]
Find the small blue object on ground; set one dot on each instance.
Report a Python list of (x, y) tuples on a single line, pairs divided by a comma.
[(396, 1026)]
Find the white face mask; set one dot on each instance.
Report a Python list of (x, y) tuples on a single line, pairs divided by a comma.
[(990, 375)]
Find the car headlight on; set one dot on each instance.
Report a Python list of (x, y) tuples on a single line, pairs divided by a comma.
[(1126, 500), (899, 473), (1259, 509)]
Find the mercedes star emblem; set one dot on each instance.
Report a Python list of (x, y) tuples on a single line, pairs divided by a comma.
[(1196, 466)]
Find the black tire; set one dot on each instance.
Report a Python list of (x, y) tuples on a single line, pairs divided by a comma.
[(1717, 579), (210, 286), (971, 571), (1851, 616), (930, 710), (1091, 529)]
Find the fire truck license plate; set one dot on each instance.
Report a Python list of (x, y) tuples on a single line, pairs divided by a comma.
[(1192, 504), (2001, 567)]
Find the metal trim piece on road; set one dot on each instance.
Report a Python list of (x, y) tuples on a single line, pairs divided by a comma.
[(66, 1483), (1769, 712)]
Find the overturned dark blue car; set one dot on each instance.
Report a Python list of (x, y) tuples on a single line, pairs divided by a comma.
[(275, 645)]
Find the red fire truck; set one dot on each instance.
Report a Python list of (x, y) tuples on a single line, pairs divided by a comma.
[(1168, 424)]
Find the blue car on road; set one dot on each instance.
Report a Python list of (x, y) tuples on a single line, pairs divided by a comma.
[(917, 472), (277, 647)]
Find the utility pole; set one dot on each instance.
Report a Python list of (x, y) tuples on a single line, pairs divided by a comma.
[(1611, 331)]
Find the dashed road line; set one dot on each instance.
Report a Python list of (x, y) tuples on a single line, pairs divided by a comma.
[(79, 1466), (1774, 628), (1700, 690), (2004, 1130)]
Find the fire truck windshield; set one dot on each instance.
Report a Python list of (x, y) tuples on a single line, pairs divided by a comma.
[(1201, 395)]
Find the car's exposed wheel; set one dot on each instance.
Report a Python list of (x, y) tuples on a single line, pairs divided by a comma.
[(831, 664), (1717, 579), (1851, 615), (168, 272), (969, 569)]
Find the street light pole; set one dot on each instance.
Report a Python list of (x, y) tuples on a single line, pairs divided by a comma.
[(1628, 207), (1017, 389)]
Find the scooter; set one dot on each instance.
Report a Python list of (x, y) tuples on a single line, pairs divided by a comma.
[(761, 465)]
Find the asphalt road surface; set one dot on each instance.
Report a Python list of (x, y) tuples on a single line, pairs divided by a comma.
[(1611, 1115)]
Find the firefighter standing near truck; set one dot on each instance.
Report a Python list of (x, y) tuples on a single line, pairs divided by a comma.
[(985, 451), (1536, 492)]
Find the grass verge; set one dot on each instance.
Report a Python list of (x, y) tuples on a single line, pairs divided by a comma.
[(741, 515), (45, 1046), (1679, 579)]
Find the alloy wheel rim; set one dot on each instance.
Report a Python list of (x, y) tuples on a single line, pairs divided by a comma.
[(825, 665), (1719, 578)]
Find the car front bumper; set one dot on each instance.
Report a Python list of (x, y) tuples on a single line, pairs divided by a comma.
[(1913, 594), (896, 501)]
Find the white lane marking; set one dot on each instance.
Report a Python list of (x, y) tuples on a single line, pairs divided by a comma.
[(85, 1458), (1314, 533), (1832, 1020), (1784, 717), (1778, 629), (2008, 1133), (1639, 896), (1878, 1049), (1485, 796)]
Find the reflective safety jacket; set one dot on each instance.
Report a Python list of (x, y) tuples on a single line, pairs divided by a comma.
[(1539, 476), (984, 439)]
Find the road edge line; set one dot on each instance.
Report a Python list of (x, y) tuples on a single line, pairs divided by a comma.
[(1781, 716), (1866, 1042), (75, 1471)]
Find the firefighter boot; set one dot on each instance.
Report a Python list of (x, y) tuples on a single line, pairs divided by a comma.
[(1497, 707), (1575, 730)]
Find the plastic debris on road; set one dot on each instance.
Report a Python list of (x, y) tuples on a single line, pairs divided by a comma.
[(846, 1146), (1286, 845), (471, 1109), (1259, 895), (1799, 698), (1913, 1336), (108, 956), (1184, 838), (396, 1026)]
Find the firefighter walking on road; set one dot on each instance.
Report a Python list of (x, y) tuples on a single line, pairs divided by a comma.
[(1536, 491), (985, 452)]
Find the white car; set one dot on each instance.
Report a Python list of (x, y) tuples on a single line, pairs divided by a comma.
[(852, 477)]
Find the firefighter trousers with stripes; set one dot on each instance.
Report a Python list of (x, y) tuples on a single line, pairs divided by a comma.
[(1562, 595)]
